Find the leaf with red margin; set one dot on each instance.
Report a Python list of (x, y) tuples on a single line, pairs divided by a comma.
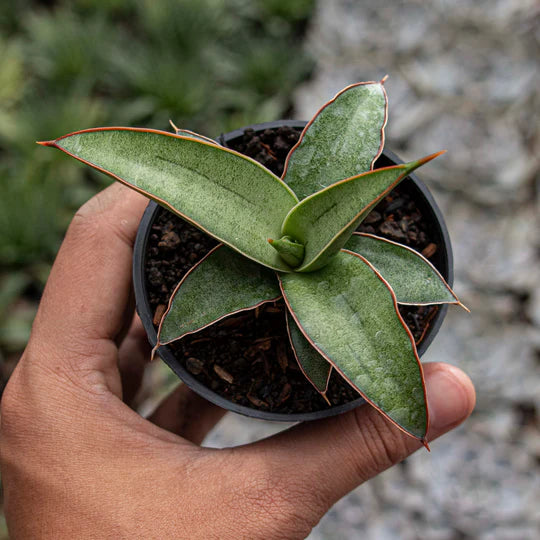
[(349, 314), (324, 221), (236, 283), (315, 367), (343, 139), (206, 184), (191, 134), (414, 280)]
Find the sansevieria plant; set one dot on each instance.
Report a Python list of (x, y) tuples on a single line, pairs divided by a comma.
[(293, 237)]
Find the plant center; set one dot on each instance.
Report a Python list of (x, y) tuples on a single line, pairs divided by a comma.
[(289, 249)]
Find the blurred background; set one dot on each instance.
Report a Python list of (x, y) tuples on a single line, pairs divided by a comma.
[(463, 76)]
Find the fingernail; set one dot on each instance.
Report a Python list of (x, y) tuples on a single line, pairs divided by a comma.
[(450, 397)]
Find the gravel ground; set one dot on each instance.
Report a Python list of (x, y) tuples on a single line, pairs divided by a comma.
[(463, 76)]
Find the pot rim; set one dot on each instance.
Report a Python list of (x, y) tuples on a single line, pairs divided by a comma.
[(145, 313)]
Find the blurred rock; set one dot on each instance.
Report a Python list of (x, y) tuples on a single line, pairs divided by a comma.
[(458, 81), (495, 249)]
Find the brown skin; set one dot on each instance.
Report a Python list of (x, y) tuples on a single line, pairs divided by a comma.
[(78, 462)]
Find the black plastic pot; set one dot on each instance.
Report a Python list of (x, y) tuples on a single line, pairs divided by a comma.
[(443, 262)]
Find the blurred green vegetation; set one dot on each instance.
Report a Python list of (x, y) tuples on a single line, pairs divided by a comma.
[(209, 65)]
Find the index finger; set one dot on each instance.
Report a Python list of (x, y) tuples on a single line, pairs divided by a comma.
[(88, 289)]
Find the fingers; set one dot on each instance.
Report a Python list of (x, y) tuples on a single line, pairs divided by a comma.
[(89, 285), (322, 461), (183, 412), (87, 293), (187, 414)]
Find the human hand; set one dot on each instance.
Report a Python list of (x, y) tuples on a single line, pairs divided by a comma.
[(78, 462)]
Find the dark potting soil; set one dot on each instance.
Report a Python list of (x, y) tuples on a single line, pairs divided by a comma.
[(246, 358)]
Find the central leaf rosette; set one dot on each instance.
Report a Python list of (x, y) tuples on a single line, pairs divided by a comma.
[(289, 249), (293, 237)]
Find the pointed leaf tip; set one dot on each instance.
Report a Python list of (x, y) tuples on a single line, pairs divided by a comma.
[(178, 171), (313, 365), (414, 280), (384, 79), (46, 143), (325, 220), (426, 159), (343, 139), (291, 251), (238, 283), (426, 445), (340, 308)]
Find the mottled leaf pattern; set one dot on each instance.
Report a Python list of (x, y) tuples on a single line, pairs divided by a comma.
[(412, 277), (342, 302), (344, 139), (224, 282), (210, 186), (324, 221), (349, 314)]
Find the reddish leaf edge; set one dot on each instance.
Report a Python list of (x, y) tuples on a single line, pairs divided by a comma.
[(322, 393), (171, 299), (419, 163), (424, 439), (381, 146), (208, 142), (54, 143), (457, 302), (197, 135)]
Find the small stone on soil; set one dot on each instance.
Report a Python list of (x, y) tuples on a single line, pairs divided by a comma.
[(223, 374), (194, 365)]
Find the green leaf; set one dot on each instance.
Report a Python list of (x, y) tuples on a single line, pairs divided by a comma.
[(315, 367), (343, 139), (222, 283), (289, 250), (349, 314), (412, 277), (325, 220), (229, 196)]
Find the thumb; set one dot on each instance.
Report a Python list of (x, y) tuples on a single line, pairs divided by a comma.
[(314, 464)]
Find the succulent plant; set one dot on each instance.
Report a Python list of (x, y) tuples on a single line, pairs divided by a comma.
[(293, 237)]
